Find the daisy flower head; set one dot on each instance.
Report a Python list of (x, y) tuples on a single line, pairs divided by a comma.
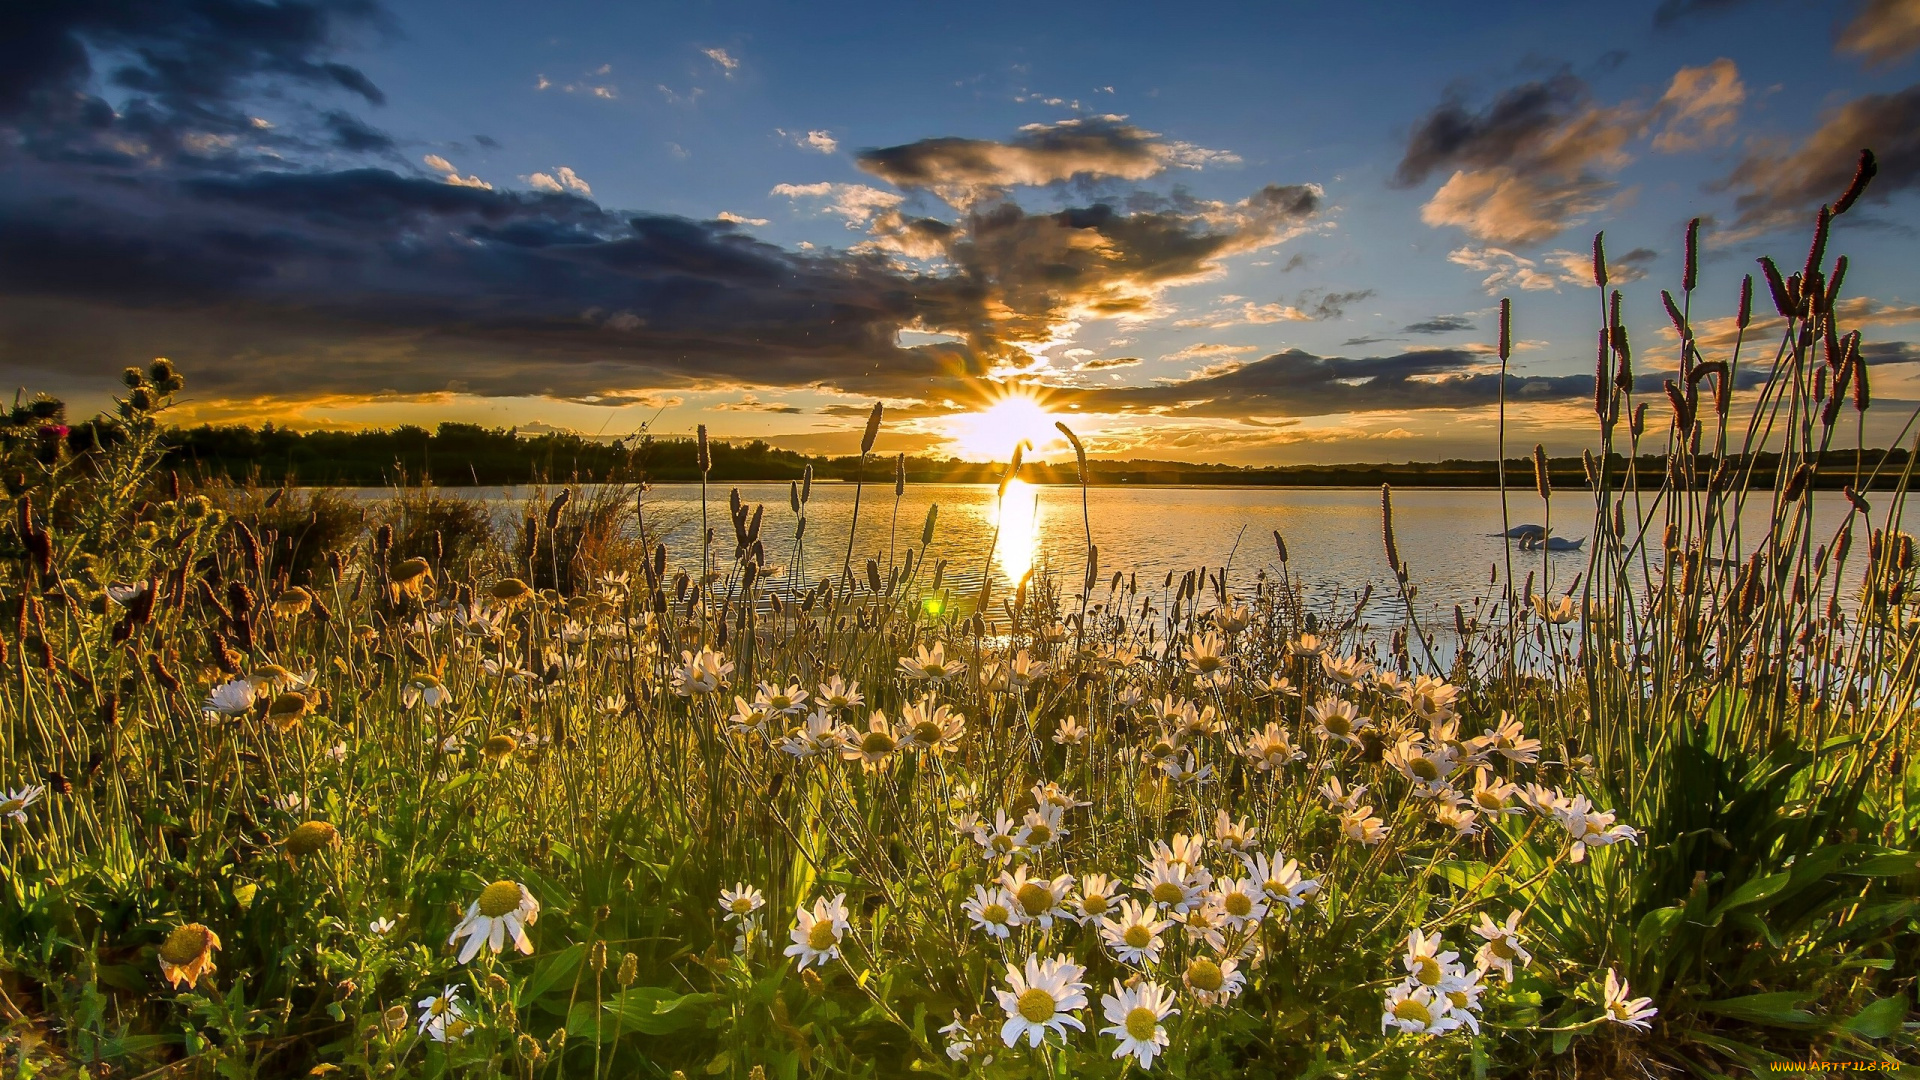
[(1231, 835), (1069, 731), (1001, 841), (1492, 795), (1280, 879), (427, 690), (1133, 934), (1307, 646), (1509, 739), (872, 747), (1449, 814), (1051, 793), (14, 805), (1418, 1010), (1206, 658), (991, 910), (1337, 718), (231, 698), (1137, 1014), (742, 903), (1360, 826), (187, 954), (1591, 828), (1427, 963), (442, 1016), (932, 727), (1271, 749), (382, 926), (1171, 885), (1042, 999), (701, 673), (1430, 698), (839, 694), (1426, 766), (1095, 898), (502, 913), (819, 737), (777, 700), (1338, 797), (817, 934), (1041, 827), (1620, 1008), (1023, 671), (1344, 670), (1205, 922), (1037, 899), (1231, 617), (1240, 901), (931, 664), (1213, 982), (1504, 946)]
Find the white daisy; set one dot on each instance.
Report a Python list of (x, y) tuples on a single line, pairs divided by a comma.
[(992, 910), (700, 674), (1095, 898), (442, 1017), (1240, 901), (817, 934), (1622, 1009), (1418, 1010), (1213, 982), (1037, 899), (15, 804), (1042, 1000), (1134, 933), (1503, 948), (231, 698), (503, 912), (1136, 1013), (382, 926)]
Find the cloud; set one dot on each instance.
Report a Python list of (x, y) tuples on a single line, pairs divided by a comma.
[(732, 218), (1699, 107), (452, 175), (1107, 363), (1439, 324), (822, 141), (353, 135), (857, 203), (962, 171), (1201, 352), (1333, 305), (1503, 269), (562, 179), (1245, 314), (1576, 267), (750, 403), (1783, 185), (1534, 161), (721, 57), (1884, 31)]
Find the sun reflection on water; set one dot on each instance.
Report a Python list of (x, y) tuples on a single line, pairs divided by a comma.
[(1017, 515)]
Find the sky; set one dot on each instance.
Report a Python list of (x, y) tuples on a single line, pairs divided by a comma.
[(1239, 233)]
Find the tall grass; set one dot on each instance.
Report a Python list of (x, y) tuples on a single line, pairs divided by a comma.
[(272, 814)]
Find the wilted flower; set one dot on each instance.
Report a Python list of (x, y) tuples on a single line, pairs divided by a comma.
[(187, 954)]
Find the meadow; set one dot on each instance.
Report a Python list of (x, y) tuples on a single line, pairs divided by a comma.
[(291, 792)]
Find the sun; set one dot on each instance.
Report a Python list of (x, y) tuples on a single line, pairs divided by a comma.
[(991, 433)]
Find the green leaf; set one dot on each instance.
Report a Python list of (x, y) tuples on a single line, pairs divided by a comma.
[(1891, 864), (657, 1010), (556, 969), (1752, 891), (1780, 1009), (1654, 928), (1878, 1020)]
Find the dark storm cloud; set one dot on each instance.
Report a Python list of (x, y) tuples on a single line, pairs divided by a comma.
[(1510, 128), (1783, 185), (353, 135), (1673, 11), (182, 61), (1334, 304), (1439, 324)]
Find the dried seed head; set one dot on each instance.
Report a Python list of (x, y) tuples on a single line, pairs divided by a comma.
[(1386, 528), (899, 475), (926, 531), (555, 508), (1599, 260), (704, 454), (1690, 274), (1782, 300), (1817, 253), (1746, 301), (1506, 328), (310, 838), (1862, 176), (1542, 483), (873, 430)]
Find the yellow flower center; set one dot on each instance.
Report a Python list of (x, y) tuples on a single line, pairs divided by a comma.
[(510, 589), (499, 898), (311, 837), (1002, 842), (1166, 892), (1137, 936), (995, 913), (1206, 664), (1424, 768), (500, 746), (1457, 998), (1035, 899), (1411, 1009), (1037, 1006), (1205, 975), (1142, 1023), (1427, 970), (742, 905), (186, 944), (1502, 949), (12, 806), (1039, 833), (1337, 723), (1486, 800), (288, 706), (1095, 904), (876, 743), (1239, 905), (821, 937), (928, 732)]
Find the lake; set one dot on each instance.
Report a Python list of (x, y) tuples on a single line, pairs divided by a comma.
[(1333, 536)]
